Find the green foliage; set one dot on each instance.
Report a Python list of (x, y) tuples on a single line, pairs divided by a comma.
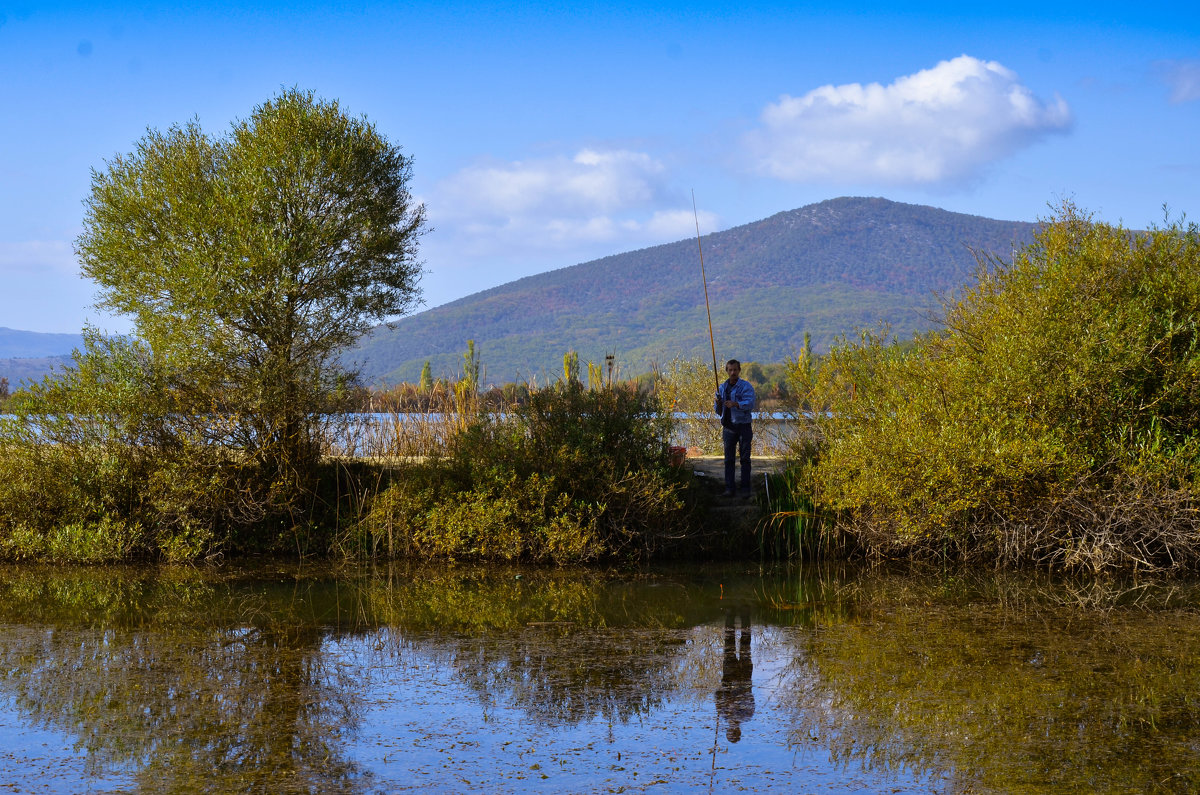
[(470, 368), (796, 528), (499, 517), (570, 474), (570, 368), (249, 262), (102, 449), (688, 387), (105, 540), (1056, 419)]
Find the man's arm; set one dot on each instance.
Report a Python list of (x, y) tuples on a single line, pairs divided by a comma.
[(745, 398)]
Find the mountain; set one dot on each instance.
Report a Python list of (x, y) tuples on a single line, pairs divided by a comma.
[(32, 368), (16, 344), (827, 269), (29, 355)]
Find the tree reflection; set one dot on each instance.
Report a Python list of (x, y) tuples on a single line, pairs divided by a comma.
[(564, 647), (201, 680), (1003, 687), (206, 702)]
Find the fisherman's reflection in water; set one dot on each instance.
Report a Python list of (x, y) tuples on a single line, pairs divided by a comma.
[(735, 698)]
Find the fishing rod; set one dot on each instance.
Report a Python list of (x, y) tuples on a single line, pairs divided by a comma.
[(704, 280)]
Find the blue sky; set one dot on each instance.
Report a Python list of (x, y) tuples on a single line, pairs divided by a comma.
[(543, 137)]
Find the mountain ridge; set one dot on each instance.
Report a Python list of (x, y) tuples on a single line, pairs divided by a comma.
[(18, 344), (826, 268)]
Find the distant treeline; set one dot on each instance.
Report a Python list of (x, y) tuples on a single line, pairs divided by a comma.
[(772, 384)]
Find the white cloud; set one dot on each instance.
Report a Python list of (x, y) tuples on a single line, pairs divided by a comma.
[(590, 182), (939, 125), (676, 224), (1183, 78), (593, 203)]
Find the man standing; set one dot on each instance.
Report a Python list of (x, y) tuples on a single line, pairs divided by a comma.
[(735, 399)]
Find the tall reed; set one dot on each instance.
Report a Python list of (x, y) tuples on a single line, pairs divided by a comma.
[(409, 424), (796, 527)]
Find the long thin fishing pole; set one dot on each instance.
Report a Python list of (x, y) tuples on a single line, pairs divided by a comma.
[(704, 280)]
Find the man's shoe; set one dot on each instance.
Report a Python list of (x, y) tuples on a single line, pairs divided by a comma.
[(727, 493)]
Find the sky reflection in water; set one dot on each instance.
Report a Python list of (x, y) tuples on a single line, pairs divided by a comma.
[(470, 679)]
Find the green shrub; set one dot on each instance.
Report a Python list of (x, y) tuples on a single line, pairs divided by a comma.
[(105, 540), (506, 519), (603, 447), (570, 475), (1054, 420), (108, 460), (102, 447), (688, 386)]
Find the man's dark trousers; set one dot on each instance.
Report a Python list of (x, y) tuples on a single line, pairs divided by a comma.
[(737, 441)]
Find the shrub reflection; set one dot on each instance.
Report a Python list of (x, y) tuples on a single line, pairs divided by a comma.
[(1008, 684)]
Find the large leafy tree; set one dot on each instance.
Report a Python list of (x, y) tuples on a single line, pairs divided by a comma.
[(249, 261)]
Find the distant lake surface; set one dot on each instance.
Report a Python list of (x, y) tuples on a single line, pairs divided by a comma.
[(285, 678), (363, 433)]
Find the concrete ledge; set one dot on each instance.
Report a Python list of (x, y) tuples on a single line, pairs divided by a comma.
[(713, 466)]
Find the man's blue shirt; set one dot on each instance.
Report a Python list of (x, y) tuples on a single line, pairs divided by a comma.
[(742, 395)]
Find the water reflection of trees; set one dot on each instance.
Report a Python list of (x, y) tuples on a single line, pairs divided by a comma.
[(188, 684), (248, 682), (198, 680), (1008, 685), (562, 647), (565, 677), (568, 649)]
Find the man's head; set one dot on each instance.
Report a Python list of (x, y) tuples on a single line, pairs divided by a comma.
[(733, 369)]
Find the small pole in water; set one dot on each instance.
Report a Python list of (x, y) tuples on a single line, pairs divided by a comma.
[(716, 738), (704, 280)]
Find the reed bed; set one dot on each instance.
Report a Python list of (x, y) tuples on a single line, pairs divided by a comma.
[(412, 424)]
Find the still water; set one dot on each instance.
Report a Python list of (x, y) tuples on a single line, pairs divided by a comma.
[(285, 678)]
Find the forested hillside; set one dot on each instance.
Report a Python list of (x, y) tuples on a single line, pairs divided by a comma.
[(32, 368), (825, 269)]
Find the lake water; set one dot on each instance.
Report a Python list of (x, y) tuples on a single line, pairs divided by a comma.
[(369, 433), (288, 678)]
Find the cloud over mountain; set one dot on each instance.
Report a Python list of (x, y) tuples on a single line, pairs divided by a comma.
[(940, 125), (595, 196)]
